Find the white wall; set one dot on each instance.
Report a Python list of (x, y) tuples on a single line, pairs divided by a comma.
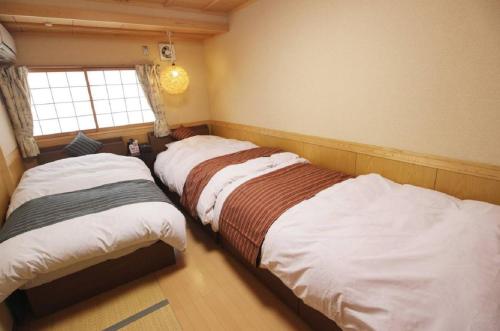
[(422, 76)]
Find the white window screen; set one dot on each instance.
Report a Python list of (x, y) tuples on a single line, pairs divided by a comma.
[(61, 101)]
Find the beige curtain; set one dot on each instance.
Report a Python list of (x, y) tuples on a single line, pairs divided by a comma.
[(149, 76), (16, 97)]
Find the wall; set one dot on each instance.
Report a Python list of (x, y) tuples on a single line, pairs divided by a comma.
[(7, 147), (7, 139), (40, 49), (421, 76)]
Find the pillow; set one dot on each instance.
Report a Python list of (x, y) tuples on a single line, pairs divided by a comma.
[(82, 145), (182, 133)]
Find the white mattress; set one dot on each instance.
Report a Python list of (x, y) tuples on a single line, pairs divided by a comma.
[(29, 258)]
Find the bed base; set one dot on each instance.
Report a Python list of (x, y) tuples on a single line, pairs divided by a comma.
[(63, 292), (315, 319)]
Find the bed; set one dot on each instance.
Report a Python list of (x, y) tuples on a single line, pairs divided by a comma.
[(79, 226), (366, 252)]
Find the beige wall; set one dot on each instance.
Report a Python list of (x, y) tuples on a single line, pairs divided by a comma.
[(73, 49), (422, 76), (7, 139)]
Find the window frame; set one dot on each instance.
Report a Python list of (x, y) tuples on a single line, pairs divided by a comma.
[(97, 130)]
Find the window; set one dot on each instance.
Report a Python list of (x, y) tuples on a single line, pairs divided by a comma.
[(67, 101)]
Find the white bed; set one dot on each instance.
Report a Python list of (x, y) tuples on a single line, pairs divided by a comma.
[(41, 255), (368, 253)]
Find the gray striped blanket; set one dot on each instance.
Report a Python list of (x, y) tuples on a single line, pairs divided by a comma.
[(56, 208)]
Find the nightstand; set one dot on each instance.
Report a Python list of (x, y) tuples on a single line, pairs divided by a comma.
[(147, 156)]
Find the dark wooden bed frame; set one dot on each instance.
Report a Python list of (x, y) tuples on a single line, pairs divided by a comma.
[(63, 292), (311, 316)]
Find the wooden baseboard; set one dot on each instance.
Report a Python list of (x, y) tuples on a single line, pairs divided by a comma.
[(463, 179)]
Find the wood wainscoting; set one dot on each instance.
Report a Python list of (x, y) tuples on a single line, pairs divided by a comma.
[(463, 179), (11, 171)]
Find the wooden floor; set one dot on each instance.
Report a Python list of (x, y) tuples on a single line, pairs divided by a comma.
[(207, 290)]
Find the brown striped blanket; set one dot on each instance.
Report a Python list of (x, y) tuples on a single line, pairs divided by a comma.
[(200, 175), (251, 209)]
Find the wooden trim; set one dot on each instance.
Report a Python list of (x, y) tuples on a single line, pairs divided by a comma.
[(242, 6), (79, 68), (210, 4), (136, 131), (427, 160), (92, 99), (463, 179), (60, 14), (97, 30), (128, 131)]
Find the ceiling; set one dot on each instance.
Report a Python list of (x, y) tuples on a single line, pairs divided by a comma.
[(187, 19), (224, 6)]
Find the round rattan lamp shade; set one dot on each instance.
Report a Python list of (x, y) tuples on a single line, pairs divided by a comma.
[(175, 80)]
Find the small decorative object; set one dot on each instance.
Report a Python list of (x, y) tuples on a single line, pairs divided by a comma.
[(133, 147), (167, 52), (174, 79)]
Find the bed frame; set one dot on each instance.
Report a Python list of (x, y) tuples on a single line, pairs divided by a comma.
[(311, 316), (68, 290), (49, 154), (158, 144), (63, 292)]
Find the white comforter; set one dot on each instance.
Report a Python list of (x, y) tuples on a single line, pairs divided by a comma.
[(173, 167), (369, 253), (375, 255), (61, 245)]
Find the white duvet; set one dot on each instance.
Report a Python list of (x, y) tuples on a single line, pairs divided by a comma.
[(61, 245), (375, 255), (173, 165), (369, 253)]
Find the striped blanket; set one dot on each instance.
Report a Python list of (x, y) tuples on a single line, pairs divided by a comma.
[(200, 175), (56, 208), (251, 209)]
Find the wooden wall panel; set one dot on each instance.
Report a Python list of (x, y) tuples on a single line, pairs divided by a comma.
[(16, 167), (4, 199), (463, 179), (331, 158), (6, 186), (468, 187), (400, 172), (11, 171)]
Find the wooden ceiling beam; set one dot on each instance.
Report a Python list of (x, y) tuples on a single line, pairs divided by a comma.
[(75, 29), (159, 23), (211, 4)]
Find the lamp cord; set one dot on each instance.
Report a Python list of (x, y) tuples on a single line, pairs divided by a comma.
[(169, 33)]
